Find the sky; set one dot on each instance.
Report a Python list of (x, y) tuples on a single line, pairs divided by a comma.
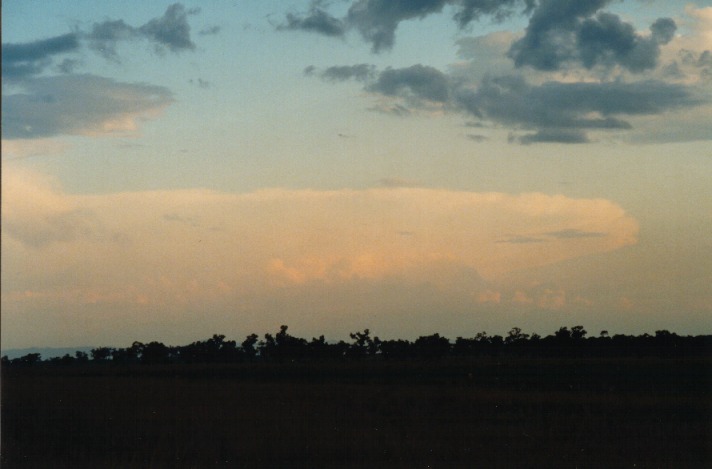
[(175, 170)]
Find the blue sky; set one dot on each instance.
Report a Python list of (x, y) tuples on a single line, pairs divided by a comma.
[(171, 170)]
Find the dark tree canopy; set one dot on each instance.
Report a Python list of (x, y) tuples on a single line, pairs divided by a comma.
[(284, 347)]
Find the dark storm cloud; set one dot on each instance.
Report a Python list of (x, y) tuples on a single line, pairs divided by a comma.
[(316, 21), (563, 111), (31, 58), (419, 81), (170, 31), (607, 40), (78, 104), (377, 20), (471, 10), (563, 32), (554, 111), (561, 35), (546, 43)]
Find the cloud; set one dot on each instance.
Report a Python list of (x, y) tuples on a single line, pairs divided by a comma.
[(608, 41), (418, 86), (576, 69), (565, 32), (556, 111), (559, 31), (306, 231), (28, 59), (249, 259), (79, 105), (562, 111), (317, 21), (358, 72), (377, 20), (170, 31), (547, 41), (419, 81)]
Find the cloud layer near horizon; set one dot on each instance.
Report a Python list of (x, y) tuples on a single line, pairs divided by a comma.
[(172, 250)]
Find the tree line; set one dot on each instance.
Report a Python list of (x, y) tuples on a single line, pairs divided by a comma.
[(282, 346)]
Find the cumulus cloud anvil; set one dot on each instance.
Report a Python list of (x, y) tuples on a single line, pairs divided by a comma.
[(218, 242)]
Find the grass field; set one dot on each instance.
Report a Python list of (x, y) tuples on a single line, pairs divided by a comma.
[(483, 412)]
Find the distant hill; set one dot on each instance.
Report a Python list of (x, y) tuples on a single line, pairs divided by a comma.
[(45, 352)]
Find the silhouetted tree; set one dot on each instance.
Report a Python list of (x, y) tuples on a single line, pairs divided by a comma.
[(363, 345), (155, 352), (578, 332), (101, 354), (249, 346), (320, 349), (27, 360), (129, 354), (396, 349), (563, 334), (283, 346), (516, 337), (431, 346), (66, 359)]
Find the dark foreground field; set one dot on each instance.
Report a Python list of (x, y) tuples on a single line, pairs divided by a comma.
[(484, 412)]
